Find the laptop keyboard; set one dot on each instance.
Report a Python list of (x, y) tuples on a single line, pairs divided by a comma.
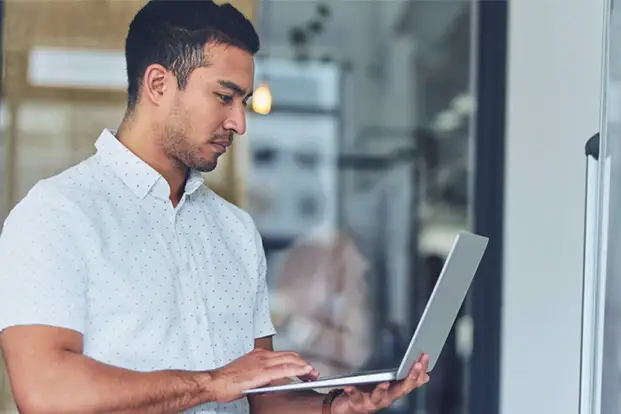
[(357, 374)]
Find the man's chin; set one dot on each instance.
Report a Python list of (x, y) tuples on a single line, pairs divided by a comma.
[(206, 167), (203, 164)]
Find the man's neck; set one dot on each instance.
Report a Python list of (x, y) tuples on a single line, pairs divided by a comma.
[(143, 142)]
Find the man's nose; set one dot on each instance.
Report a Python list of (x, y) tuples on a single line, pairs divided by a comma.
[(237, 120)]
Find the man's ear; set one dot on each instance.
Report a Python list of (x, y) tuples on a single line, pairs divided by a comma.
[(155, 84)]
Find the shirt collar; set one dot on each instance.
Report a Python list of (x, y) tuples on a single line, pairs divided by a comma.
[(139, 176)]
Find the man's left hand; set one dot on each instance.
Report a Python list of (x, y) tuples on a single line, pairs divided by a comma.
[(360, 401)]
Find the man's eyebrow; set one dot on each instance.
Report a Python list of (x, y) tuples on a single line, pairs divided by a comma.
[(235, 88)]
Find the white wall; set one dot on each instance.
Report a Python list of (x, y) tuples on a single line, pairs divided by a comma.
[(554, 66)]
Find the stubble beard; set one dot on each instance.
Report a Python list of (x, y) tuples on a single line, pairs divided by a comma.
[(177, 146)]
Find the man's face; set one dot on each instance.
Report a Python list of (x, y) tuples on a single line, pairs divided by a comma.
[(203, 117)]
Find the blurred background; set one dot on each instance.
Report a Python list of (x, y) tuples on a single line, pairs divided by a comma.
[(378, 131)]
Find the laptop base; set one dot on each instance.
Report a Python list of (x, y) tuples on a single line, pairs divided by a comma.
[(330, 382)]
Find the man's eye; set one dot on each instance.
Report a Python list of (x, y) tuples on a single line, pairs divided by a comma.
[(226, 99)]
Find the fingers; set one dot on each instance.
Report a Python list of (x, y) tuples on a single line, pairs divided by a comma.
[(287, 371), (270, 359), (279, 365), (288, 364), (277, 375), (416, 378), (292, 361), (367, 402), (356, 399), (284, 359), (313, 375), (384, 394), (422, 377), (380, 396)]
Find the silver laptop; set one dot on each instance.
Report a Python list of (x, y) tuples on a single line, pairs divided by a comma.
[(435, 324)]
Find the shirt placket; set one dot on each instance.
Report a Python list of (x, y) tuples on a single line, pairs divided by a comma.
[(196, 319)]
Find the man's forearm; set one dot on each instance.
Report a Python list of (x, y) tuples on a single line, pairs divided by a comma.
[(78, 384)]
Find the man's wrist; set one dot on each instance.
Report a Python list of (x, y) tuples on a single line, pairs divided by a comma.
[(209, 385), (329, 400)]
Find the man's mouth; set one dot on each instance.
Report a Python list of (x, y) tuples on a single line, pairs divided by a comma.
[(220, 146)]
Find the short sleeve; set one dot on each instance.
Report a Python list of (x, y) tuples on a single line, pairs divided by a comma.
[(263, 325), (42, 280)]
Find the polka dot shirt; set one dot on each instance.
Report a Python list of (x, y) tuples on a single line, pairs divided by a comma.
[(100, 249)]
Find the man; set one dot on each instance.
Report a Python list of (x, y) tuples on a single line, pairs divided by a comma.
[(127, 286)]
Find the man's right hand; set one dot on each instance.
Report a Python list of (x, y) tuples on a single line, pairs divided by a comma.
[(256, 369)]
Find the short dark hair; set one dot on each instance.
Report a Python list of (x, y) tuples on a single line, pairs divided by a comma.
[(173, 33)]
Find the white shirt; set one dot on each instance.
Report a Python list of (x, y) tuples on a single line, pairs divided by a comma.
[(99, 249)]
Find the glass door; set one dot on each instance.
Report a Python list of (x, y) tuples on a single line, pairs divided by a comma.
[(601, 361)]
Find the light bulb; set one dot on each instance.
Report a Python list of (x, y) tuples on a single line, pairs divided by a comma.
[(262, 100)]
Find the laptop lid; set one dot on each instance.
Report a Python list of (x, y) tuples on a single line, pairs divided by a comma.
[(445, 301)]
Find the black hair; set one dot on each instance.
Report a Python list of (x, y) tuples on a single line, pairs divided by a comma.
[(173, 33)]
